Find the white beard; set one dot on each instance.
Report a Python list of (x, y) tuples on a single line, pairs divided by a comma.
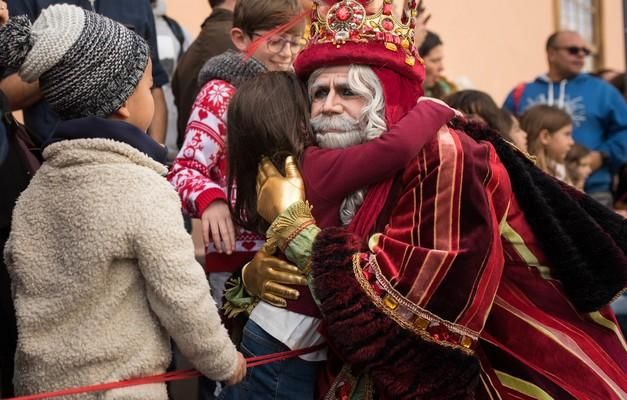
[(341, 131)]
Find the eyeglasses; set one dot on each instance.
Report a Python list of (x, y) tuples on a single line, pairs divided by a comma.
[(574, 50), (276, 44)]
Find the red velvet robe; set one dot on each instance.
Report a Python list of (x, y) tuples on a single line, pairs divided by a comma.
[(454, 298)]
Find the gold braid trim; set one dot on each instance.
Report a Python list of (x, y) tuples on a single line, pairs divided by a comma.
[(421, 314), (296, 218)]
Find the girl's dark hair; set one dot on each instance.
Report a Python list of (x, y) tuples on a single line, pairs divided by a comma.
[(267, 116), (432, 40), (475, 102)]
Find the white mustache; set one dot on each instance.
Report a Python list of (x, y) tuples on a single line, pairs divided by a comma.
[(338, 123), (338, 131)]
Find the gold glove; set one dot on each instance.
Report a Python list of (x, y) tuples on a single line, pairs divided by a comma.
[(264, 275), (275, 192)]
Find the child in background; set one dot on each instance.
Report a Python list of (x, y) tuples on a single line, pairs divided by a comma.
[(103, 272), (550, 138), (479, 106), (516, 134), (578, 165)]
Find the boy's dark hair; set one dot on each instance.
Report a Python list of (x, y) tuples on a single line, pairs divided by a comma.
[(215, 3), (267, 116), (259, 15)]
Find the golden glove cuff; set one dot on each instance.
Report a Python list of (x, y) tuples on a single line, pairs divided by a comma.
[(289, 224)]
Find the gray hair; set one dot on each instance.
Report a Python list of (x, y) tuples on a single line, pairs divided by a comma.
[(364, 82)]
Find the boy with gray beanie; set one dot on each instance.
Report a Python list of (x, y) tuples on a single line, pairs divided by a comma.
[(102, 269)]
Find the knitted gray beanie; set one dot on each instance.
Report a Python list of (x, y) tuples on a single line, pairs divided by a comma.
[(86, 64)]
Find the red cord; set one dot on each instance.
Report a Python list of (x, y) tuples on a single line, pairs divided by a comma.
[(168, 376)]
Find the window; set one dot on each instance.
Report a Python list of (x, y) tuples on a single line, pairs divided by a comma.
[(583, 16)]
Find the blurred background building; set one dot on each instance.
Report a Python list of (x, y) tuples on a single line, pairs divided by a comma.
[(495, 44)]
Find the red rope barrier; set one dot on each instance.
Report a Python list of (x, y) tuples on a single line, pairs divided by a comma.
[(168, 376)]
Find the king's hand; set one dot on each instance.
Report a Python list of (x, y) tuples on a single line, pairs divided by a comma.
[(275, 192), (266, 276)]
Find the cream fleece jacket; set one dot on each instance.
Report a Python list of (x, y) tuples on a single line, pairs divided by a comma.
[(103, 272)]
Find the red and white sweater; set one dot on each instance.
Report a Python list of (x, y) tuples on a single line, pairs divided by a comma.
[(199, 171)]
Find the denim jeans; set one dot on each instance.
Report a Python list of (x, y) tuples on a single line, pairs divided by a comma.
[(291, 379)]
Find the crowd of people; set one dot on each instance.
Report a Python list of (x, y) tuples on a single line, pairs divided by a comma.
[(420, 240)]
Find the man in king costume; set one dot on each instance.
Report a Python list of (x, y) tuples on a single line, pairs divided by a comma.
[(470, 273)]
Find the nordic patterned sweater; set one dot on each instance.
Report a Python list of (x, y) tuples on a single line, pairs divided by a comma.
[(199, 170)]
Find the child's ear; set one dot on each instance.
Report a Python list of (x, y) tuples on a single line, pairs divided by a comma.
[(544, 136), (240, 39), (122, 113)]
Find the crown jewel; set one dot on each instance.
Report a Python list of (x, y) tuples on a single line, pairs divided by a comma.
[(389, 21)]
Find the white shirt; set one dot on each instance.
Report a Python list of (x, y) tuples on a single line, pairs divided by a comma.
[(296, 331)]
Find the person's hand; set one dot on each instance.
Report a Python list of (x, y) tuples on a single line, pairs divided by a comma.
[(216, 221), (265, 277), (420, 31), (4, 12), (240, 371), (275, 192), (446, 107)]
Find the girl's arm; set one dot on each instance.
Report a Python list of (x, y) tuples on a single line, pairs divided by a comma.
[(334, 173)]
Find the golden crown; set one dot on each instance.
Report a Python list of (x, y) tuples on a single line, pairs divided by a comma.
[(389, 21)]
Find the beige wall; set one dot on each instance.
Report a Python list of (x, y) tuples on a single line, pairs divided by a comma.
[(613, 37), (189, 13), (493, 43)]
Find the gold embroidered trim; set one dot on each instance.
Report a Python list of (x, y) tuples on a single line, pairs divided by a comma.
[(459, 329), (297, 216), (418, 326)]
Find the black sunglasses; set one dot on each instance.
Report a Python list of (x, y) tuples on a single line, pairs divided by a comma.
[(574, 50)]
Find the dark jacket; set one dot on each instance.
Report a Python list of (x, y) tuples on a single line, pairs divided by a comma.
[(214, 39)]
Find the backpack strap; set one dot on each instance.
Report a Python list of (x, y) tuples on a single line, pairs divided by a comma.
[(178, 33), (517, 95)]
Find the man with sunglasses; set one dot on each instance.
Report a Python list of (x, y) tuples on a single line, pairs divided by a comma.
[(598, 110)]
